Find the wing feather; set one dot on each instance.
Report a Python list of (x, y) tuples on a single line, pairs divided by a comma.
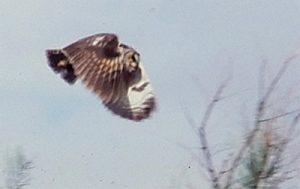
[(97, 61)]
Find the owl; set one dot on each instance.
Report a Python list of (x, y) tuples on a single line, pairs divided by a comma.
[(112, 70)]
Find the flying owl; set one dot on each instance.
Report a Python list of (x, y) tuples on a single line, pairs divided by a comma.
[(110, 69)]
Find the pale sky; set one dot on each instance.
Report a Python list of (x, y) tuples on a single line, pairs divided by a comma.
[(187, 48)]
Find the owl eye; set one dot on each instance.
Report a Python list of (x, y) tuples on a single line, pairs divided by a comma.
[(134, 58)]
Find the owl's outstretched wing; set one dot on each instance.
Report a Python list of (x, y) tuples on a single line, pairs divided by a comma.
[(121, 83)]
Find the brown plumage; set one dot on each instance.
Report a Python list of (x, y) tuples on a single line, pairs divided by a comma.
[(111, 70)]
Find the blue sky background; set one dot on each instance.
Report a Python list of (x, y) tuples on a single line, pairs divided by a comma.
[(187, 47)]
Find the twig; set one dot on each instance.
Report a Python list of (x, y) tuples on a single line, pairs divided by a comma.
[(279, 75), (293, 125), (279, 116), (285, 142), (203, 139), (262, 73), (190, 120), (224, 168)]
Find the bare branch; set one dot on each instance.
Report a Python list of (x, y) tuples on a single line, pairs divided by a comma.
[(262, 73), (259, 113), (279, 116), (203, 139), (278, 76), (224, 166), (285, 141)]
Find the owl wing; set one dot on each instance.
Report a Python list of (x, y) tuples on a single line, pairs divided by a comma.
[(98, 63)]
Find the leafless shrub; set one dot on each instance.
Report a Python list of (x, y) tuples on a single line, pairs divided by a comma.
[(260, 159)]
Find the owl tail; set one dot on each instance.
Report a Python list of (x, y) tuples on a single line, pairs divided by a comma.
[(59, 63)]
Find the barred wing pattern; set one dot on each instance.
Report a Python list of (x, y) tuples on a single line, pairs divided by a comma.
[(111, 70)]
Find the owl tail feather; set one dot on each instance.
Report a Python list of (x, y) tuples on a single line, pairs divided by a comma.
[(59, 63)]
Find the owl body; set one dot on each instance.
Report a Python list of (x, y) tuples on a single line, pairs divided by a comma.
[(111, 70)]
